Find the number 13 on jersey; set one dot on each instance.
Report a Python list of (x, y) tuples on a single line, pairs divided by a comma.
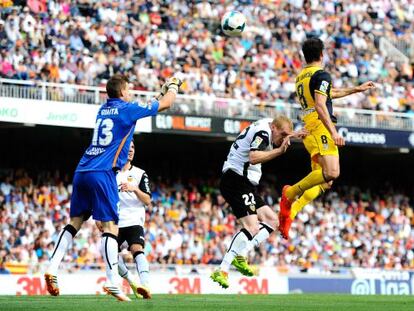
[(102, 134)]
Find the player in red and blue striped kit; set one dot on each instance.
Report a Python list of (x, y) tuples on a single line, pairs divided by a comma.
[(95, 190)]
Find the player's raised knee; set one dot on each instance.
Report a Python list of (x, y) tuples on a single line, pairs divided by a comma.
[(252, 229), (331, 174), (272, 221), (136, 248)]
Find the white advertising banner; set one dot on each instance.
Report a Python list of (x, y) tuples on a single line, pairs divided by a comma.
[(55, 113), (160, 283)]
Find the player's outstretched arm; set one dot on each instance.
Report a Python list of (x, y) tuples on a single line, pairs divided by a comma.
[(301, 134), (166, 101), (257, 156), (342, 92), (168, 93)]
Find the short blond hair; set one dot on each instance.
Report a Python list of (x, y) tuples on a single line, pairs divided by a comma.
[(280, 119)]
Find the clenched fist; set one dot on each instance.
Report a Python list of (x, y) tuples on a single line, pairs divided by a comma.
[(172, 84)]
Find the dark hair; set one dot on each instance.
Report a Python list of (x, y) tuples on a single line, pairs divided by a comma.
[(312, 49), (115, 84)]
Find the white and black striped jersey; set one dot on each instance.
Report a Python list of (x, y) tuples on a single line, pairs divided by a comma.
[(257, 136), (131, 209)]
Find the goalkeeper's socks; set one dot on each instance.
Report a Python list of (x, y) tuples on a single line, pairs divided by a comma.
[(239, 243), (62, 244), (109, 250), (142, 267), (307, 197), (314, 178)]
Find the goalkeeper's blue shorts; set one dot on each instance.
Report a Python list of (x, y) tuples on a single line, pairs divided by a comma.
[(95, 193)]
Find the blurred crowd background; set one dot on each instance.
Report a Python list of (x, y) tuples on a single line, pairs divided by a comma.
[(86, 41), (190, 223)]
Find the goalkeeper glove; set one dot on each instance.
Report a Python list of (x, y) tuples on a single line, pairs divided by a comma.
[(172, 84)]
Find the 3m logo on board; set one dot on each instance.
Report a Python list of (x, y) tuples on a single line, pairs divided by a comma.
[(185, 285)]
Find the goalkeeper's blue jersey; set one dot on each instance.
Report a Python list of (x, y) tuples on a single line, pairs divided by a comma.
[(114, 128)]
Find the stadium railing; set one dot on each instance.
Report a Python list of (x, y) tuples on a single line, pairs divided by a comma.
[(203, 105), (395, 50), (404, 46)]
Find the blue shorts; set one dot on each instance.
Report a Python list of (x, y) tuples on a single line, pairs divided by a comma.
[(95, 193)]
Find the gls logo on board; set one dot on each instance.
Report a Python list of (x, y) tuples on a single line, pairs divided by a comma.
[(235, 126), (231, 126), (362, 137), (163, 121)]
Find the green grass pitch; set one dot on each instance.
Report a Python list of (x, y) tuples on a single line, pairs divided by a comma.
[(301, 302)]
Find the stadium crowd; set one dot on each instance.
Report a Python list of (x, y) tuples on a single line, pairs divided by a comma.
[(190, 223), (84, 42)]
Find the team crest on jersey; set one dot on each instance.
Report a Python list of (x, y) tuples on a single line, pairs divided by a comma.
[(256, 143), (324, 86), (253, 208)]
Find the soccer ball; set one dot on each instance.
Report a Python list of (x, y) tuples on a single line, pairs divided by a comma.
[(233, 23)]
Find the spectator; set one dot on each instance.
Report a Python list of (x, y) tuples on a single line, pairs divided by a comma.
[(189, 223), (147, 40), (3, 269)]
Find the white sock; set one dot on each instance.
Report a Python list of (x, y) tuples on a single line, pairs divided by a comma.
[(142, 268), (263, 234), (62, 244), (238, 244), (123, 270), (109, 250)]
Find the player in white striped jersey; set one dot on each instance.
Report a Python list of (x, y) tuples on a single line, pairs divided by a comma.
[(255, 137), (134, 196), (262, 141)]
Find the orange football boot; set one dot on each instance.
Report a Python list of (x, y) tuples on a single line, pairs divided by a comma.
[(284, 215)]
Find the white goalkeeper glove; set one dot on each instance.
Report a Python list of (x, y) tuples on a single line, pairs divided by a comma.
[(172, 84)]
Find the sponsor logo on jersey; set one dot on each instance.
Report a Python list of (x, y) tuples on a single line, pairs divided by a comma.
[(143, 104), (94, 151), (324, 86), (256, 143)]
